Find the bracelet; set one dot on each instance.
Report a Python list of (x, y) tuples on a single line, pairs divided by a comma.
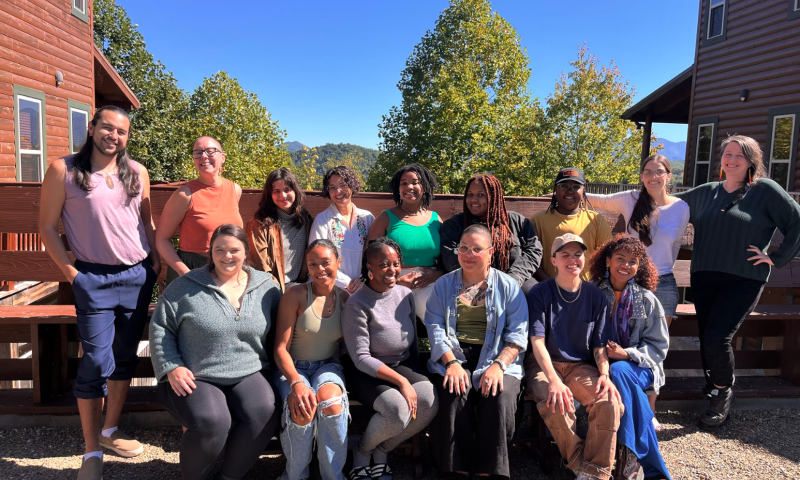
[(447, 365), (291, 385)]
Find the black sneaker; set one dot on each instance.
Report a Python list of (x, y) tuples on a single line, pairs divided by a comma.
[(719, 407)]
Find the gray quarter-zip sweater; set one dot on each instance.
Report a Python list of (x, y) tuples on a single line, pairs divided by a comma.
[(195, 326)]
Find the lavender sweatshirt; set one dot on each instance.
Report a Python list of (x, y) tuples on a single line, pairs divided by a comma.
[(379, 328)]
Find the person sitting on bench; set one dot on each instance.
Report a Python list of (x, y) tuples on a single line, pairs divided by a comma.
[(569, 329), (478, 325), (623, 271)]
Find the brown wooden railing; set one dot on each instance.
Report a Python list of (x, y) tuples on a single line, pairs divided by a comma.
[(18, 242)]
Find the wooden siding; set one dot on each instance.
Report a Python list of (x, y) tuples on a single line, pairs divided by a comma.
[(761, 54), (37, 39)]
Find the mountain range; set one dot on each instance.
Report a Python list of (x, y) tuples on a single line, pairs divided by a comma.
[(674, 151)]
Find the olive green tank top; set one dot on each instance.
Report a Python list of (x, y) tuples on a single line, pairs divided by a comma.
[(316, 338), (471, 323)]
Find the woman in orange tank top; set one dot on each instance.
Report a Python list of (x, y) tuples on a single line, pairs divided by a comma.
[(197, 208)]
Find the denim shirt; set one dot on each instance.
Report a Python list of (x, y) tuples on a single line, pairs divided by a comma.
[(649, 339), (506, 322)]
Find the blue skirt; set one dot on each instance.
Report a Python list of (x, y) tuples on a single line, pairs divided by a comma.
[(636, 429)]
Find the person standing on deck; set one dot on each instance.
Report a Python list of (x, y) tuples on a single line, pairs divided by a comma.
[(102, 197)]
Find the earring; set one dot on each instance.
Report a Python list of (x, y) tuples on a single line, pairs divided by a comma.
[(608, 272), (750, 175), (369, 275), (720, 174)]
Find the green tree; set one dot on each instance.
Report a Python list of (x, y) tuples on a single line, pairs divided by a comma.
[(465, 105), (252, 141), (157, 132), (305, 169), (582, 127)]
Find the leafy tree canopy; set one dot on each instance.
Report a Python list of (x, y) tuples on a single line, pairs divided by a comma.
[(158, 140), (465, 100), (252, 141)]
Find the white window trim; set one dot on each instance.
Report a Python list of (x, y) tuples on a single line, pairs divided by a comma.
[(71, 126), (787, 161), (698, 162), (796, 5), (710, 16), (82, 10), (39, 152)]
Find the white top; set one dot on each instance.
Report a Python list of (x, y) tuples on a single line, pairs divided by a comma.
[(667, 225), (351, 240)]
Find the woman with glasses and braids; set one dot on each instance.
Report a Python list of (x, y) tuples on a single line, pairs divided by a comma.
[(515, 247), (570, 212), (343, 223), (477, 321), (278, 232), (379, 328), (197, 208), (659, 220), (734, 220), (415, 227)]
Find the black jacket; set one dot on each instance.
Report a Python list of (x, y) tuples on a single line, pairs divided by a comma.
[(525, 256)]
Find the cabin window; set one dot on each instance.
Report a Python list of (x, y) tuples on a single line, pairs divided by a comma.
[(78, 123), (31, 136), (782, 148), (79, 9), (716, 13), (704, 153), (794, 9)]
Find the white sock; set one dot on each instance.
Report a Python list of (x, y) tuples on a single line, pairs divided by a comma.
[(108, 431), (89, 455)]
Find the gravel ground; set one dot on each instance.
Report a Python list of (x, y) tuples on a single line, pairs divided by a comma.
[(757, 445)]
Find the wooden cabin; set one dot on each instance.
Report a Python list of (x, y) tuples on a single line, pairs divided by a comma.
[(52, 77), (745, 79)]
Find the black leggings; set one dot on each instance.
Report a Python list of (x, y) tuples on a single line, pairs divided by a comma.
[(238, 418), (722, 301)]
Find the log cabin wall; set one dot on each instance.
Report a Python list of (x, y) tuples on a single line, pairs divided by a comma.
[(758, 50), (37, 39)]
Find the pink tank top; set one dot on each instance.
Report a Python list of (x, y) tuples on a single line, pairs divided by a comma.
[(104, 225)]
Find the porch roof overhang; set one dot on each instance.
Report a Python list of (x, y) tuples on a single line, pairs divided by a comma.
[(668, 104), (109, 87)]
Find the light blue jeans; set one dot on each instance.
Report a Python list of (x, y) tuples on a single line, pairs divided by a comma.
[(330, 430)]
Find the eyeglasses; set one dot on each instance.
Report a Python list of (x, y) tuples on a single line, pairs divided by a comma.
[(566, 188), (210, 152), (336, 188), (655, 173), (464, 249)]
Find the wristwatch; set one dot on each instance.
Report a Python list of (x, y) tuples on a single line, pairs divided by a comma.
[(503, 365)]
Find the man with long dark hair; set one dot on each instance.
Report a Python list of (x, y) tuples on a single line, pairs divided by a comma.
[(102, 197)]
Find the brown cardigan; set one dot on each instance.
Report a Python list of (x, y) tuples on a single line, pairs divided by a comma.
[(266, 250)]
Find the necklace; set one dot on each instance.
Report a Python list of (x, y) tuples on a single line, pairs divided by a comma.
[(330, 308), (414, 212), (580, 287), (109, 180)]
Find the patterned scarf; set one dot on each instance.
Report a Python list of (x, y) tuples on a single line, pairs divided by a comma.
[(622, 315)]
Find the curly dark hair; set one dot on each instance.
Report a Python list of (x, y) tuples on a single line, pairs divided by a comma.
[(348, 175), (374, 246), (646, 277), (426, 178)]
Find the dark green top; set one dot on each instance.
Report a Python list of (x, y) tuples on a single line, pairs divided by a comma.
[(721, 239), (471, 323)]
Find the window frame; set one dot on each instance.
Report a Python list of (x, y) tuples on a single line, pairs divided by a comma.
[(708, 41), (783, 112), (794, 9), (31, 95), (73, 105), (704, 122), (84, 14)]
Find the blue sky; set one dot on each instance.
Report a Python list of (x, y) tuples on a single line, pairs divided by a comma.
[(327, 70)]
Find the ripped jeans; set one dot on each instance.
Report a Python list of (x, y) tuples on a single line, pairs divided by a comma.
[(330, 430)]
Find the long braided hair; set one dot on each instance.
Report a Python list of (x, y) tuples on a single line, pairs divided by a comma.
[(640, 217), (374, 246), (496, 219)]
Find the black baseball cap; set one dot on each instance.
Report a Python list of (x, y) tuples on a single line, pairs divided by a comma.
[(570, 173)]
